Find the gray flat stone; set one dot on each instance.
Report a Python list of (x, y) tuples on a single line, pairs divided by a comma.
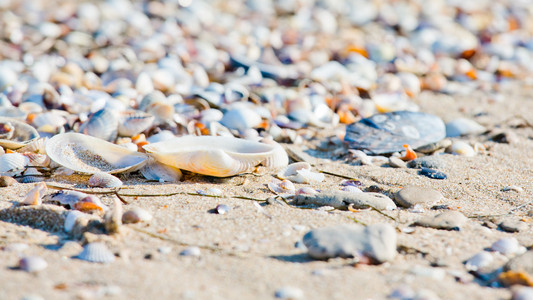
[(512, 225), (430, 162), (412, 195), (449, 220), (342, 199), (376, 242), (523, 262), (396, 162)]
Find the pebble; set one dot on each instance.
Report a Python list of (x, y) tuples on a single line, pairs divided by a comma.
[(396, 162), (413, 195), (430, 162), (433, 174), (191, 251), (16, 247), (462, 148), (376, 242), (342, 199), (222, 209), (507, 246), (478, 261), (522, 262), (512, 225), (463, 126), (449, 220), (6, 181), (289, 292), (32, 264)]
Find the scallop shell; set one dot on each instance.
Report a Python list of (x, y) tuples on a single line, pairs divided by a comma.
[(134, 122), (96, 253), (217, 156), (154, 170), (21, 135), (89, 155), (35, 146), (32, 264), (104, 180), (282, 188), (12, 163), (102, 124)]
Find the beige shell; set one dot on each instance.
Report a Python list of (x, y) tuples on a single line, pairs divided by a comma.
[(216, 155), (22, 133), (88, 155), (300, 172)]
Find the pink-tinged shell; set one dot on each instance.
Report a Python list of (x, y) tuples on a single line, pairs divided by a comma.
[(32, 264), (96, 253), (34, 196), (35, 146), (282, 187), (104, 180)]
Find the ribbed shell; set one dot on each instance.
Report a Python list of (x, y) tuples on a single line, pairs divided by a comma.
[(104, 180), (89, 155), (216, 155), (12, 163), (96, 253), (102, 124), (154, 170)]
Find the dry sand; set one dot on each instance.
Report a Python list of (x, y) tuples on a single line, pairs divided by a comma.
[(250, 252)]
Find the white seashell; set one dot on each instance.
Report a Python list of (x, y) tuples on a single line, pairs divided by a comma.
[(104, 180), (102, 124), (462, 148), (151, 98), (214, 192), (32, 264), (18, 135), (136, 215), (34, 196), (161, 136), (144, 84), (507, 246), (70, 219), (89, 155), (211, 115), (240, 118), (300, 172), (97, 253), (154, 170), (217, 156), (12, 163), (134, 122), (351, 189), (222, 209), (463, 126), (284, 187), (289, 292), (191, 251), (35, 146), (478, 261), (8, 77), (37, 160), (49, 121)]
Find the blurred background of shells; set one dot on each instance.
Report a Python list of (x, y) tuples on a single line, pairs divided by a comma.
[(137, 72)]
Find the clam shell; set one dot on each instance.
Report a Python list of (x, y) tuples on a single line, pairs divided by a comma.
[(479, 261), (89, 155), (215, 155), (154, 170), (102, 124), (22, 133), (96, 253), (240, 118), (12, 163), (35, 146), (104, 180), (134, 122)]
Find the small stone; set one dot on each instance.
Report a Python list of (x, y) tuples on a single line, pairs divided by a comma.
[(191, 251), (430, 162), (342, 199), (449, 220), (412, 195), (433, 174), (222, 209), (523, 262), (289, 292), (376, 243), (512, 225), (396, 162), (6, 181), (463, 126)]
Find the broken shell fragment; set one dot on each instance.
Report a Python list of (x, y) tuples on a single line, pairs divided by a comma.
[(88, 155), (34, 196), (216, 155), (284, 187), (15, 134), (300, 172), (104, 180)]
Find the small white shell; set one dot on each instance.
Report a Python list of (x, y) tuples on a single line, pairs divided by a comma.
[(463, 126), (134, 122), (103, 124), (191, 251), (12, 163), (34, 196), (300, 172), (351, 189), (285, 187), (306, 191), (88, 155), (240, 118), (136, 215), (32, 264), (507, 246), (462, 148), (35, 146), (97, 253), (104, 180), (37, 160), (71, 218), (154, 170), (216, 155), (78, 200), (478, 261)]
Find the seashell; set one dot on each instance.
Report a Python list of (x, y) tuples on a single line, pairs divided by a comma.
[(89, 155), (8, 77), (136, 215), (462, 126), (217, 156), (284, 187), (240, 118), (78, 200), (191, 251), (151, 98), (103, 124), (71, 218), (35, 146), (15, 134), (154, 170), (387, 133), (34, 196), (32, 264), (306, 191), (49, 121), (222, 209), (37, 160), (289, 292), (6, 181), (462, 148), (161, 136), (300, 172), (104, 180), (351, 189), (480, 260), (214, 192), (134, 122), (507, 246), (12, 164), (96, 253)]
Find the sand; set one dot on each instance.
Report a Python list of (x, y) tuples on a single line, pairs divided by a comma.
[(250, 252)]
